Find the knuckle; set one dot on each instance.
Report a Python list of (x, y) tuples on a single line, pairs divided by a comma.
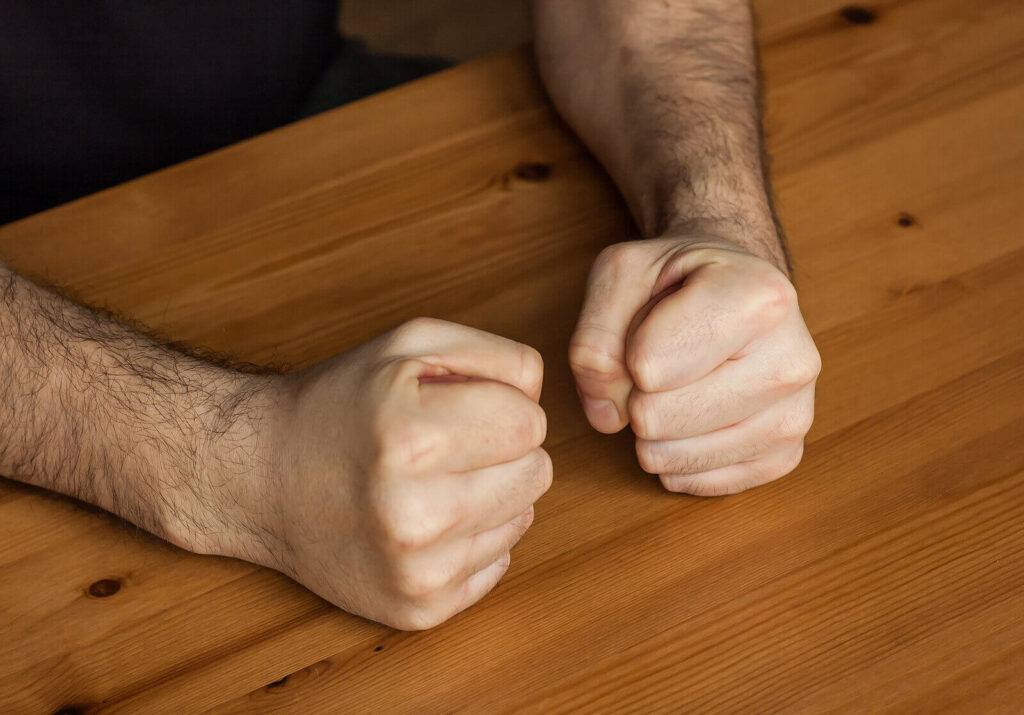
[(616, 257), (590, 361), (531, 428), (413, 536), (792, 460), (531, 368), (405, 445), (542, 471), (642, 415), (773, 298), (794, 373), (526, 521), (754, 474), (804, 422), (416, 618), (409, 527), (650, 456), (759, 471), (403, 537), (799, 370), (420, 584), (812, 365), (416, 329), (403, 338), (519, 526), (540, 424), (642, 364), (767, 470), (794, 425)]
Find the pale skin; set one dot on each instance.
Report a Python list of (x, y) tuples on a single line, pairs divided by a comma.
[(395, 479), (693, 336)]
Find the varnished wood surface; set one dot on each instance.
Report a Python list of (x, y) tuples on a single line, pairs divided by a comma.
[(887, 572)]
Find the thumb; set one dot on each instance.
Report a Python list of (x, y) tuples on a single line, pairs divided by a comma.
[(618, 288), (455, 352)]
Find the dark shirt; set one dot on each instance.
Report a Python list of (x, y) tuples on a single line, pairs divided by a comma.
[(94, 92)]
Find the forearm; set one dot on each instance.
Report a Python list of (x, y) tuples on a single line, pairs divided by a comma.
[(665, 95), (94, 410)]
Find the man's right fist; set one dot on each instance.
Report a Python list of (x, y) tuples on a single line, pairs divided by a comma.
[(400, 474)]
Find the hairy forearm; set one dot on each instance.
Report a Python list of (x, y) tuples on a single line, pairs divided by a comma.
[(97, 411), (665, 95)]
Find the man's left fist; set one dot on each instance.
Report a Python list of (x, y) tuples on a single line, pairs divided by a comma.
[(700, 346)]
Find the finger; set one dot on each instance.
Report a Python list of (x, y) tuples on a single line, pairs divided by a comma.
[(717, 312), (451, 348), (785, 423), (479, 423), (445, 566), (734, 391), (452, 598), (482, 582), (735, 478), (489, 545), (618, 287), (490, 497)]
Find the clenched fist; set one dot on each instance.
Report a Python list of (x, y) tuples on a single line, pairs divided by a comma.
[(404, 471), (700, 346)]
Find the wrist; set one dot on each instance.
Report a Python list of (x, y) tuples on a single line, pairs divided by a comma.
[(232, 506), (750, 226)]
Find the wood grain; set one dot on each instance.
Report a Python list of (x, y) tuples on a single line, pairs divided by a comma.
[(887, 572)]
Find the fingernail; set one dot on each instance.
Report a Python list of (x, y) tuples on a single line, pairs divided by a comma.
[(601, 413)]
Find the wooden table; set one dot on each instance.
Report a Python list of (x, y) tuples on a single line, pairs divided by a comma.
[(886, 572)]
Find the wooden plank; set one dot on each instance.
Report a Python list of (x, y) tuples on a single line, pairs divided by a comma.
[(989, 685), (834, 85)]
